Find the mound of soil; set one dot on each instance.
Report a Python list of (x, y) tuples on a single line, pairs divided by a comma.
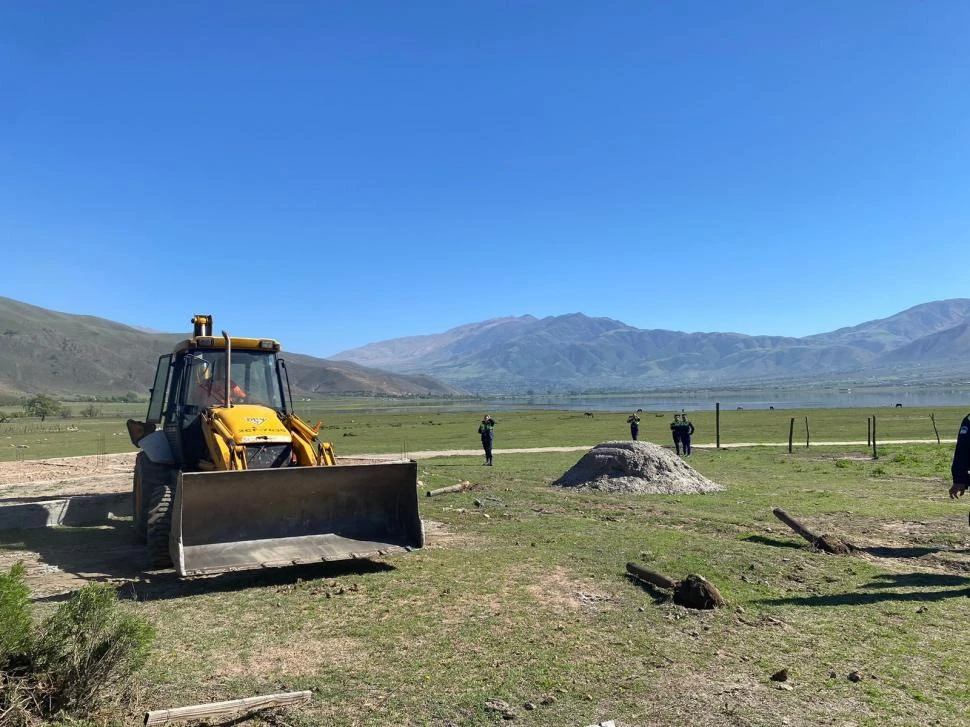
[(640, 468)]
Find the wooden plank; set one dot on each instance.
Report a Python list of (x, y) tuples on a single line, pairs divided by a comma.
[(460, 487), (823, 542), (222, 709), (650, 576)]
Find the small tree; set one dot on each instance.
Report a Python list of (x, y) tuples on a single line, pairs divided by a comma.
[(78, 662), (91, 411), (41, 406), (15, 621)]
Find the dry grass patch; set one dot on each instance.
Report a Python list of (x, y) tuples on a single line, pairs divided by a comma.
[(562, 591), (437, 535), (306, 653)]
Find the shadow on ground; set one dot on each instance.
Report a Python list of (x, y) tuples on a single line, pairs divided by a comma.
[(63, 559), (878, 591), (874, 551), (659, 595), (773, 542)]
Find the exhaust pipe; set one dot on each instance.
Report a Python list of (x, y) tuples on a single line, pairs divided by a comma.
[(228, 401)]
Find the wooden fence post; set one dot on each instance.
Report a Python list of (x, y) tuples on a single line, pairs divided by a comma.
[(717, 424), (806, 433), (935, 430), (875, 453), (791, 433), (868, 431)]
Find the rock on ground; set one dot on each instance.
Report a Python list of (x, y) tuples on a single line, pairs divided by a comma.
[(635, 467)]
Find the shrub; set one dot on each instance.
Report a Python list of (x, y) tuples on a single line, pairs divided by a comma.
[(81, 658), (15, 623), (88, 651)]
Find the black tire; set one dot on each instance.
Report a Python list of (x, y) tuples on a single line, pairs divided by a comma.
[(159, 526), (148, 476)]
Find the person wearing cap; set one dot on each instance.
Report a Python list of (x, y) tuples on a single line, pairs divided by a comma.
[(634, 421), (686, 430), (485, 430), (675, 432)]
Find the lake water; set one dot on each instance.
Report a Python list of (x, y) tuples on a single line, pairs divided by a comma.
[(729, 400), (748, 400)]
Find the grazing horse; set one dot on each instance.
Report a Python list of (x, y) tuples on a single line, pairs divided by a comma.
[(588, 414)]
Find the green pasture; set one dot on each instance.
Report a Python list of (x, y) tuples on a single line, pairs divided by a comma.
[(521, 594), (356, 427)]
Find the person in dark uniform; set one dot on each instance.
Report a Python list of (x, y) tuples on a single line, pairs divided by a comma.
[(960, 468), (634, 420), (675, 432), (485, 430), (686, 430)]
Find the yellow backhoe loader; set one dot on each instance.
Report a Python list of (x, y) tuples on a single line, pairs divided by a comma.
[(229, 478)]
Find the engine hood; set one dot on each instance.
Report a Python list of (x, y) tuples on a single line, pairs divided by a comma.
[(251, 424)]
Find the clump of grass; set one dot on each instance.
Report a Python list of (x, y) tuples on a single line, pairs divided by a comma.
[(78, 661)]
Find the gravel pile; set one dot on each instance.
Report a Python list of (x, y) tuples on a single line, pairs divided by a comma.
[(639, 468)]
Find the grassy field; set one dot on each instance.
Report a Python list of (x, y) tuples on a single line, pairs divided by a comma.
[(522, 594), (355, 429)]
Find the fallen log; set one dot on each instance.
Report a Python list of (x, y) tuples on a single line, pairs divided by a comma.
[(223, 709), (692, 592), (460, 487), (828, 543)]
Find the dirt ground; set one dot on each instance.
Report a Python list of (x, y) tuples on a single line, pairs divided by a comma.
[(61, 560), (66, 476)]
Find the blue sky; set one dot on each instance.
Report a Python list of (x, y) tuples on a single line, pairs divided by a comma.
[(334, 174)]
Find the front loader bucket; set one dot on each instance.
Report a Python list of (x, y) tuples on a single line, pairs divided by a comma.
[(241, 519)]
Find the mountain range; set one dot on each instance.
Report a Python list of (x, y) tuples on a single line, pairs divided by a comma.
[(65, 355), (928, 343)]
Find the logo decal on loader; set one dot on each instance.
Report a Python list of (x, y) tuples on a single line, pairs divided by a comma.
[(255, 421)]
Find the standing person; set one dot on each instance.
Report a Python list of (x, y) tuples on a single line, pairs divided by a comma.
[(485, 430), (634, 420), (686, 430), (675, 432), (960, 468)]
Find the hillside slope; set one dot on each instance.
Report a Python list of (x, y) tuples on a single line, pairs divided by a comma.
[(66, 355)]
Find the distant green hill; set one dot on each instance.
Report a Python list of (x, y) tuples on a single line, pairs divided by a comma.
[(65, 355)]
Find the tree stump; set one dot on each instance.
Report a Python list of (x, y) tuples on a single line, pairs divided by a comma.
[(692, 592)]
